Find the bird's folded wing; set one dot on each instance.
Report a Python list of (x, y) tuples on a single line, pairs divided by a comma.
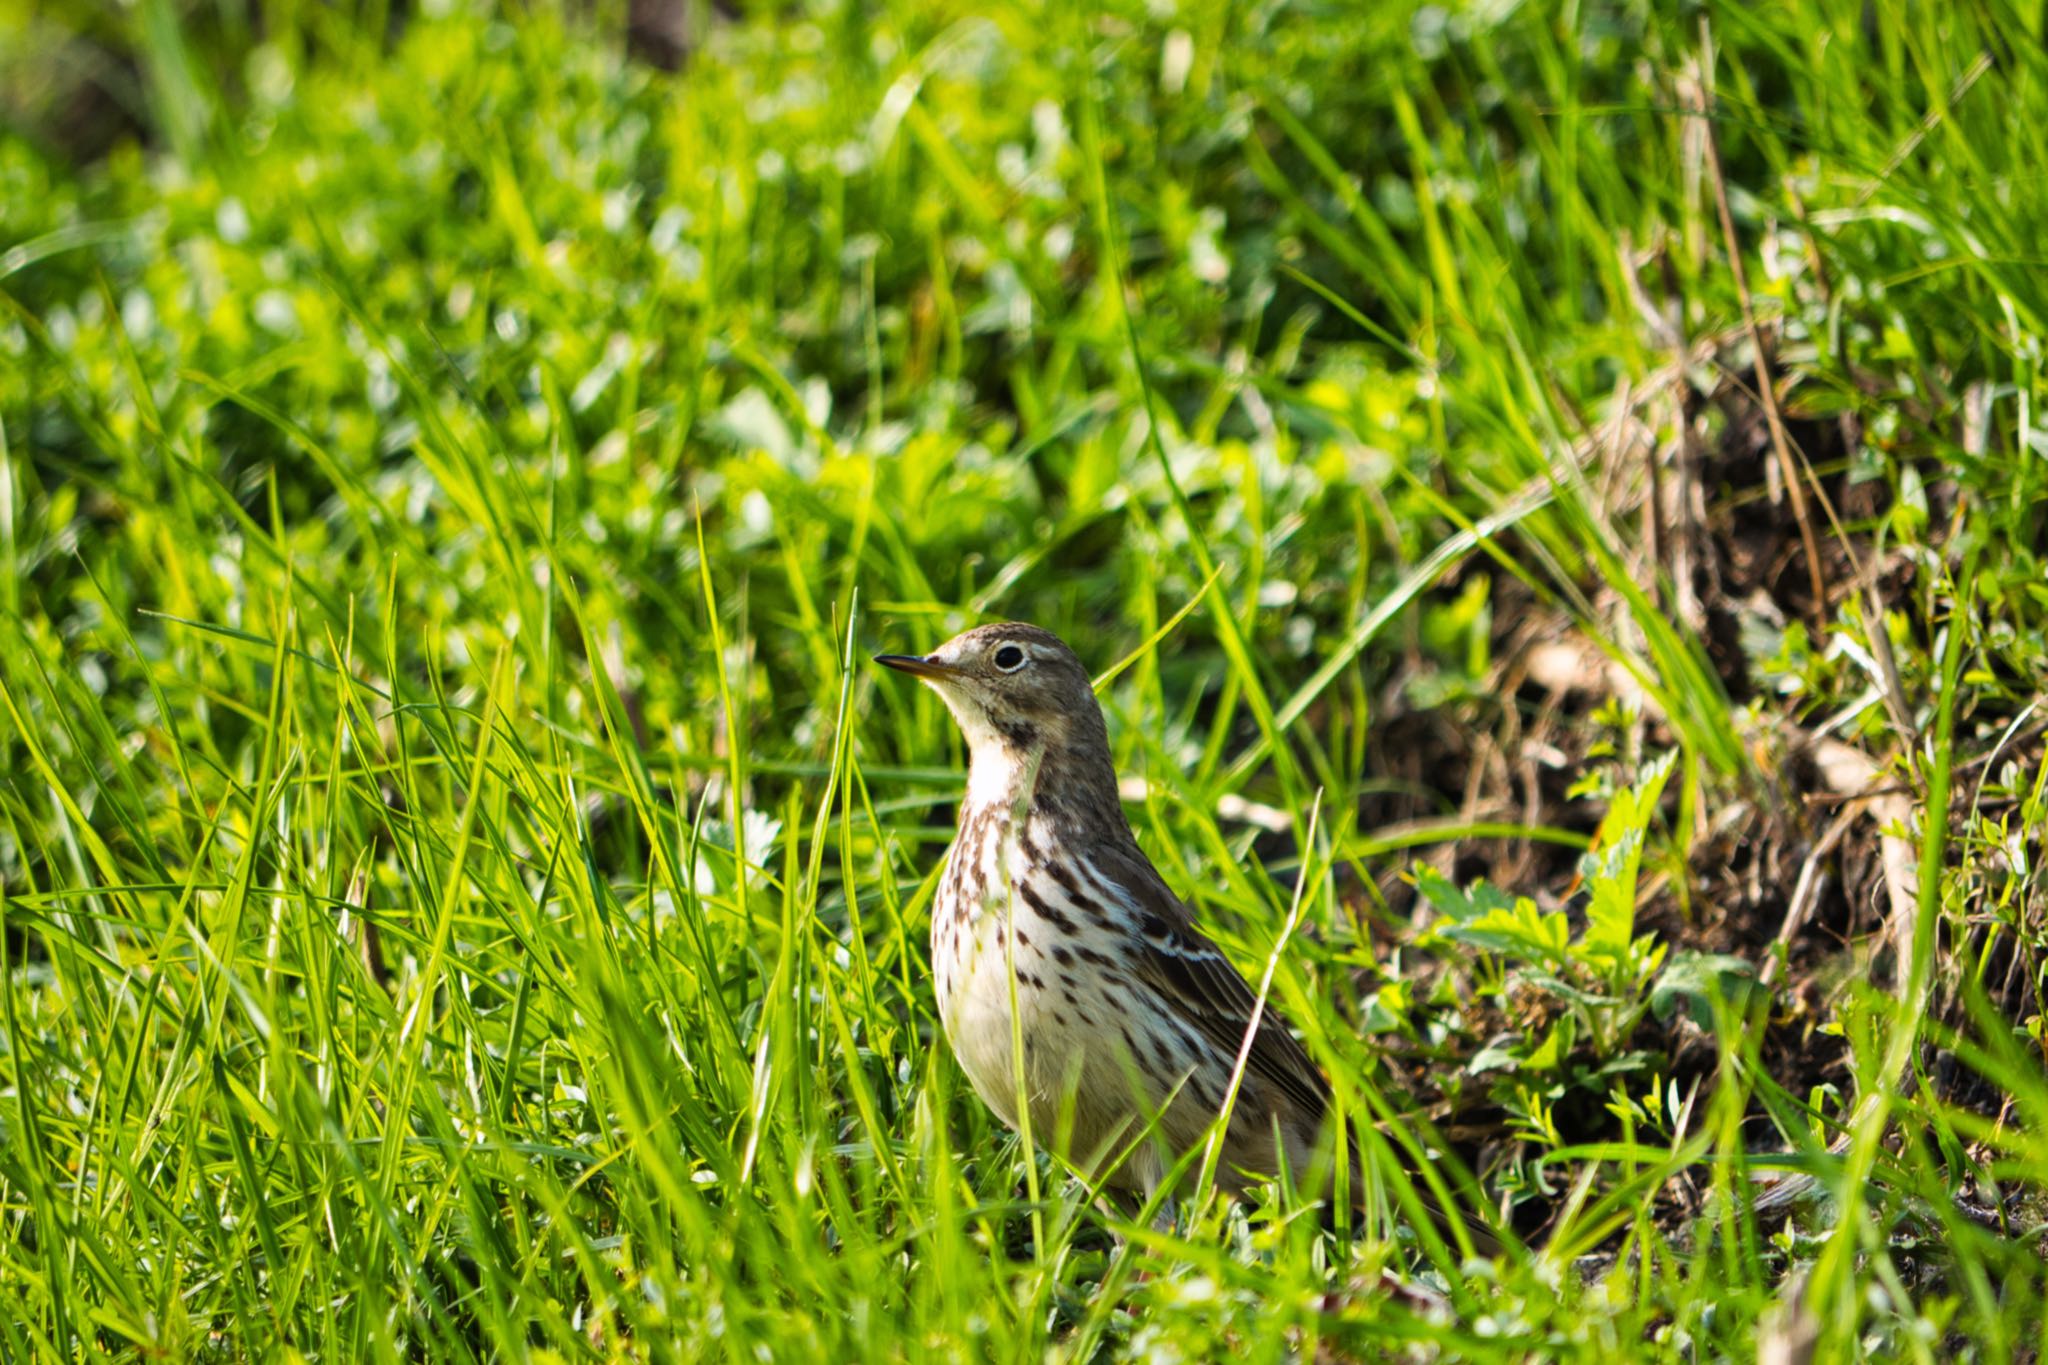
[(1195, 976)]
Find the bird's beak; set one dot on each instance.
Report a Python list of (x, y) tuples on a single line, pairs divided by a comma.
[(917, 666)]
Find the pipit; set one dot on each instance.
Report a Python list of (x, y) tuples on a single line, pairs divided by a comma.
[(1125, 1014)]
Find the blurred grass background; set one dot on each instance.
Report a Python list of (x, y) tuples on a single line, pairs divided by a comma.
[(462, 892)]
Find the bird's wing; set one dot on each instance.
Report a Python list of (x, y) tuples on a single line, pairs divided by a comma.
[(1183, 965), (1189, 970)]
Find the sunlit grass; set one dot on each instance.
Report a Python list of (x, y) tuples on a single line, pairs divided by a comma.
[(464, 894)]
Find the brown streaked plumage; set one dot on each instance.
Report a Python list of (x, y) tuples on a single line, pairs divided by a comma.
[(1125, 1011)]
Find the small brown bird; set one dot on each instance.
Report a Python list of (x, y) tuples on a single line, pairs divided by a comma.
[(1124, 1011)]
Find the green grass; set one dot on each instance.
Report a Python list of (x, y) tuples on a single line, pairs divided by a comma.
[(464, 894)]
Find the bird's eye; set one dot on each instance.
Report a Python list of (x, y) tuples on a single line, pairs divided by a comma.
[(1009, 658)]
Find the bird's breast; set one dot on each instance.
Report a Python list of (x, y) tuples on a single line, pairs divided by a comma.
[(1005, 929), (974, 916), (990, 946)]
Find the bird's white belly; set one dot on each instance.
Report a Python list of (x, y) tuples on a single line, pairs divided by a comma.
[(1065, 1057)]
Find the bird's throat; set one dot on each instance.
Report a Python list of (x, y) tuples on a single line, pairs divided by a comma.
[(1001, 779)]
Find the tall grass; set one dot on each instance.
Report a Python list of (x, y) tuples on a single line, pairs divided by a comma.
[(463, 894)]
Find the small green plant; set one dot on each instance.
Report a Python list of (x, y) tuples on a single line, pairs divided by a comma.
[(1573, 1001)]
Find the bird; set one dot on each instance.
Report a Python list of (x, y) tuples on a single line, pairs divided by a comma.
[(1073, 985)]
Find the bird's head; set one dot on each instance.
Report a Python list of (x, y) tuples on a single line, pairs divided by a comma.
[(1011, 687)]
